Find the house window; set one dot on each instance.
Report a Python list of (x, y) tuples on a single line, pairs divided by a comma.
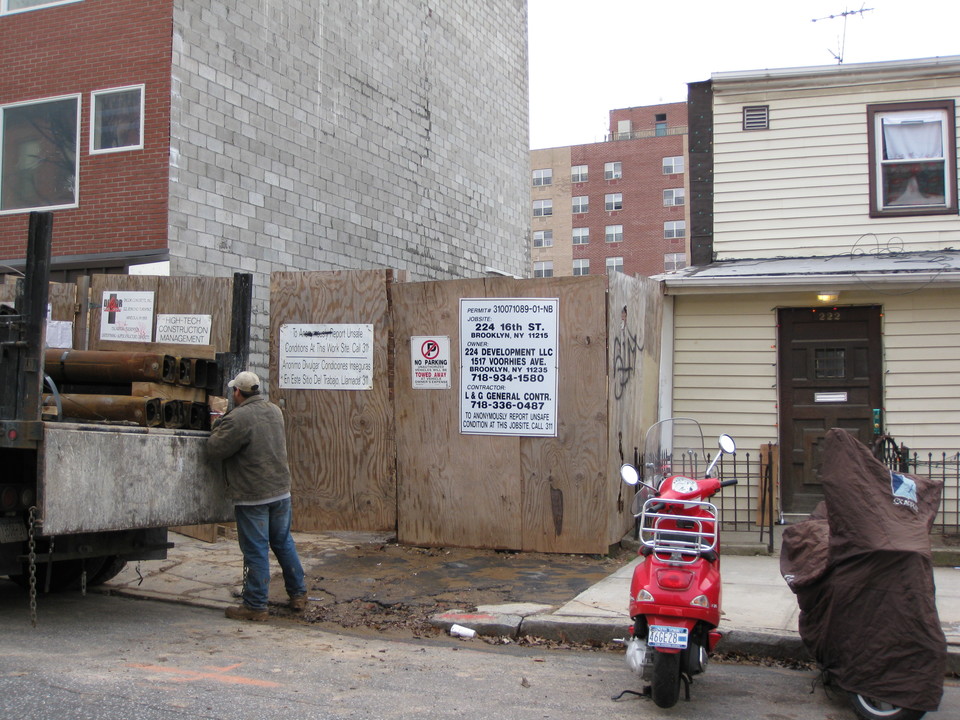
[(542, 208), (578, 173), (673, 165), (674, 261), (581, 236), (673, 197), (614, 264), (117, 122), (543, 269), (913, 158), (756, 117), (614, 233), (581, 204), (660, 129), (12, 6), (543, 177), (613, 201), (40, 151), (543, 238), (675, 229), (829, 363), (612, 171), (581, 267)]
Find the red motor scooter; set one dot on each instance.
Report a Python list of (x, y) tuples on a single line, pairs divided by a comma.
[(675, 591)]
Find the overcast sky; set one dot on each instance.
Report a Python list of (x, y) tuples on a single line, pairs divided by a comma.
[(588, 57)]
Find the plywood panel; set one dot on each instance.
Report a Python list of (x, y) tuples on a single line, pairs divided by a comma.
[(340, 443), (453, 489)]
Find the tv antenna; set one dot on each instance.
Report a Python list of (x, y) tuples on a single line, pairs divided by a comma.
[(843, 39)]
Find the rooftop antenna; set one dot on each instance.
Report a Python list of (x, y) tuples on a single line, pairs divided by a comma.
[(843, 40)]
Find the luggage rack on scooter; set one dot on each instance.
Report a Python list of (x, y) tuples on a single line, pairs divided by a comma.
[(679, 538)]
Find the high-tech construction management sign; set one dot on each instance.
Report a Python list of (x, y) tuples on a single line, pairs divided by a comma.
[(508, 366)]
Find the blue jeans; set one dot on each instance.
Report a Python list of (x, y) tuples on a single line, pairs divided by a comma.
[(261, 528)]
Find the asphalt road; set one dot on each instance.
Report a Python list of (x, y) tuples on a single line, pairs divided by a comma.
[(110, 658)]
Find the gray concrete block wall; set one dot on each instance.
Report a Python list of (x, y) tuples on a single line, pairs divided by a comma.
[(346, 134)]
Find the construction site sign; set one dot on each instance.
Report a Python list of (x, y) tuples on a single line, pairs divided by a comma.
[(326, 357), (508, 366)]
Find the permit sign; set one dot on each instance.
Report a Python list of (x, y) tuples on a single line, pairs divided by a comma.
[(508, 366)]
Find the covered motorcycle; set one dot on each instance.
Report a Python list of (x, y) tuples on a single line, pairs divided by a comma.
[(861, 568)]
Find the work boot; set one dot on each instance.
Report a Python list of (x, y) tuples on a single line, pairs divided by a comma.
[(298, 603), (242, 612)]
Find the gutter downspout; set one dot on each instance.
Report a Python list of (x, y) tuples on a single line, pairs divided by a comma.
[(665, 398)]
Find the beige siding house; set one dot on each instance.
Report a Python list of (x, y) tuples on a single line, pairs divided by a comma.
[(825, 284)]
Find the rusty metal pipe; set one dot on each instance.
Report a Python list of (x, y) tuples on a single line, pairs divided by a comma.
[(140, 410), (104, 366)]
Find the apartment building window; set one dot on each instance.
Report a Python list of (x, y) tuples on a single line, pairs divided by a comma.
[(675, 229), (543, 238), (117, 120), (614, 265), (614, 233), (12, 6), (674, 261), (578, 174), (613, 201), (581, 236), (543, 269), (581, 267), (543, 177), (913, 158), (40, 142), (581, 204), (612, 171), (674, 196), (673, 165), (542, 208)]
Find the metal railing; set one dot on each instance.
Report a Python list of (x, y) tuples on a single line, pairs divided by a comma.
[(637, 134)]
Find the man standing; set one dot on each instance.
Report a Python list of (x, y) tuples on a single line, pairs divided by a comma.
[(250, 441)]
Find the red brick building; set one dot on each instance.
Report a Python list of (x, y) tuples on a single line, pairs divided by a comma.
[(618, 205), (85, 110)]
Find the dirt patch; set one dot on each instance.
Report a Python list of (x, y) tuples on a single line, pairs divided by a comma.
[(389, 587)]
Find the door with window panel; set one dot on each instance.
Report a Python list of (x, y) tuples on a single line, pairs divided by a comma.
[(829, 371)]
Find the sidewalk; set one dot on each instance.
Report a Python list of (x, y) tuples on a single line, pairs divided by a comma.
[(760, 612)]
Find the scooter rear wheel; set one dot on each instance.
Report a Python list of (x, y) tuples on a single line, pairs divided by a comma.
[(871, 709), (665, 683)]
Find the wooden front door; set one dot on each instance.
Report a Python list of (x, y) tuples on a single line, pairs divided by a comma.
[(829, 373)]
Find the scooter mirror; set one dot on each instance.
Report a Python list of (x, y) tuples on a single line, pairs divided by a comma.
[(629, 474), (727, 444)]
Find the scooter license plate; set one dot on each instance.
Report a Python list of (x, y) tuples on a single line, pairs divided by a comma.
[(667, 637)]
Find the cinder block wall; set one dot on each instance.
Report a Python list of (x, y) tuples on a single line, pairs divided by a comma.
[(342, 135)]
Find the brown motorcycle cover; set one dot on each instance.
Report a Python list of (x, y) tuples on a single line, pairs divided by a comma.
[(861, 569)]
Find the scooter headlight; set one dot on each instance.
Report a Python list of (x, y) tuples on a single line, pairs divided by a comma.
[(700, 601)]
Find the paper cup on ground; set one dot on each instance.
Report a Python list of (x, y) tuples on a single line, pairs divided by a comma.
[(461, 631)]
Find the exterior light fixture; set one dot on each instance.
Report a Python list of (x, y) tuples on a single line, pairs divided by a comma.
[(828, 296)]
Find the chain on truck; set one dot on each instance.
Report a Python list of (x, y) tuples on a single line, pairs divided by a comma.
[(93, 475)]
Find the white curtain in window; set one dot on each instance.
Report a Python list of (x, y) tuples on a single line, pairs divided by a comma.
[(912, 137)]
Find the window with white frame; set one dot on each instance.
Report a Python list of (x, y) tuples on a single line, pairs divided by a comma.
[(40, 152), (614, 233), (581, 266), (543, 269), (542, 208), (612, 171), (613, 201), (614, 264), (673, 165), (675, 229), (674, 196), (578, 173), (543, 177), (116, 119), (580, 204), (581, 236), (14, 6), (913, 158), (674, 261), (543, 238)]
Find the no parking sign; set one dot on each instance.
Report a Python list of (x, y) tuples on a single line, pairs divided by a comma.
[(430, 361)]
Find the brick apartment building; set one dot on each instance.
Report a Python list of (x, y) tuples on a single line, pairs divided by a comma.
[(238, 135), (615, 206)]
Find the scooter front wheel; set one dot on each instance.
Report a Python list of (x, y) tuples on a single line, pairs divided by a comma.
[(871, 709), (665, 683)]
